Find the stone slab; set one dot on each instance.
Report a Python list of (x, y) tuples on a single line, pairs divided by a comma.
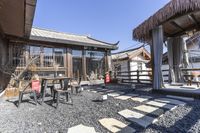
[(170, 101), (81, 128), (139, 118), (181, 98), (141, 98), (161, 105), (123, 97), (146, 108), (94, 91), (132, 94), (113, 94), (116, 126)]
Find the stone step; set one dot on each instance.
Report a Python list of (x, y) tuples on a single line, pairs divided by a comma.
[(116, 126), (139, 118), (123, 97), (170, 101), (81, 129), (113, 94), (141, 98), (161, 105), (146, 108), (132, 94), (181, 98)]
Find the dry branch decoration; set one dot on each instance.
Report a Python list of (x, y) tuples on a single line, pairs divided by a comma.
[(9, 70)]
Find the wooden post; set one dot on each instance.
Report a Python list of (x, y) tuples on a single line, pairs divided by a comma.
[(129, 69), (69, 62), (84, 65), (109, 61), (138, 76), (65, 62), (157, 51)]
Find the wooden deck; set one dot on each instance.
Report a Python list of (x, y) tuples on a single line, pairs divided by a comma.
[(181, 90)]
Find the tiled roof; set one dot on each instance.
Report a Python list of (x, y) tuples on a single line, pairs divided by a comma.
[(131, 53), (65, 38)]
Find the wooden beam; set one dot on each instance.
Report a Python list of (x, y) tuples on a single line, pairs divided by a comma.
[(176, 25), (194, 20)]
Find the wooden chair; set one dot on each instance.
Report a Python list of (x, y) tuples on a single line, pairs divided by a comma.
[(26, 89), (193, 78), (63, 89), (75, 85)]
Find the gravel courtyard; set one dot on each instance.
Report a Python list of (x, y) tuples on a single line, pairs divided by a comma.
[(87, 110)]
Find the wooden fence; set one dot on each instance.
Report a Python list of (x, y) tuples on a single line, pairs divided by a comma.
[(135, 77)]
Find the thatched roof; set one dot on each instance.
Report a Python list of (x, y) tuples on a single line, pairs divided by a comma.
[(177, 17)]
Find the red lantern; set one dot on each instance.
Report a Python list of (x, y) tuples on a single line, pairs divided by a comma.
[(107, 78)]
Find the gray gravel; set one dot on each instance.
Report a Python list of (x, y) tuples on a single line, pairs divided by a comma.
[(87, 110)]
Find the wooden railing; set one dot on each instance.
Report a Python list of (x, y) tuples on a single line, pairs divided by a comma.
[(186, 73), (137, 77)]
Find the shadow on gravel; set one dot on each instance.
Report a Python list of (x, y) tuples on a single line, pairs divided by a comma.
[(182, 125), (23, 101)]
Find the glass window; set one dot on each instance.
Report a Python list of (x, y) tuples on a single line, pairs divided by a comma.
[(95, 64), (35, 52), (19, 55), (77, 63), (48, 60), (59, 56)]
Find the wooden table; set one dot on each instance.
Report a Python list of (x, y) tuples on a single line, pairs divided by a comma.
[(45, 83)]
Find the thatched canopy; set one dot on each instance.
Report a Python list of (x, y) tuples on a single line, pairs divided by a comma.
[(178, 17)]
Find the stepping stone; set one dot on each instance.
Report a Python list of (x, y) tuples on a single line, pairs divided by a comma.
[(116, 126), (146, 108), (170, 101), (161, 105), (94, 91), (81, 128), (141, 98), (141, 119), (132, 94), (123, 97), (113, 94), (181, 98)]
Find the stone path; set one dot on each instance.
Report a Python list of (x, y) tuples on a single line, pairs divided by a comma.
[(123, 97), (161, 105), (139, 118), (116, 126), (81, 129), (139, 115), (146, 108), (141, 98)]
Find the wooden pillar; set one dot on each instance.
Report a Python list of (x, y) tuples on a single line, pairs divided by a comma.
[(65, 62), (84, 70), (69, 62), (157, 51), (108, 60), (129, 68)]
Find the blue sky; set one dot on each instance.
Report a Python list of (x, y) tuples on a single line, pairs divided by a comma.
[(106, 20)]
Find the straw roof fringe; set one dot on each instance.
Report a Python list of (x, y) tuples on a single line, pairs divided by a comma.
[(174, 8)]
